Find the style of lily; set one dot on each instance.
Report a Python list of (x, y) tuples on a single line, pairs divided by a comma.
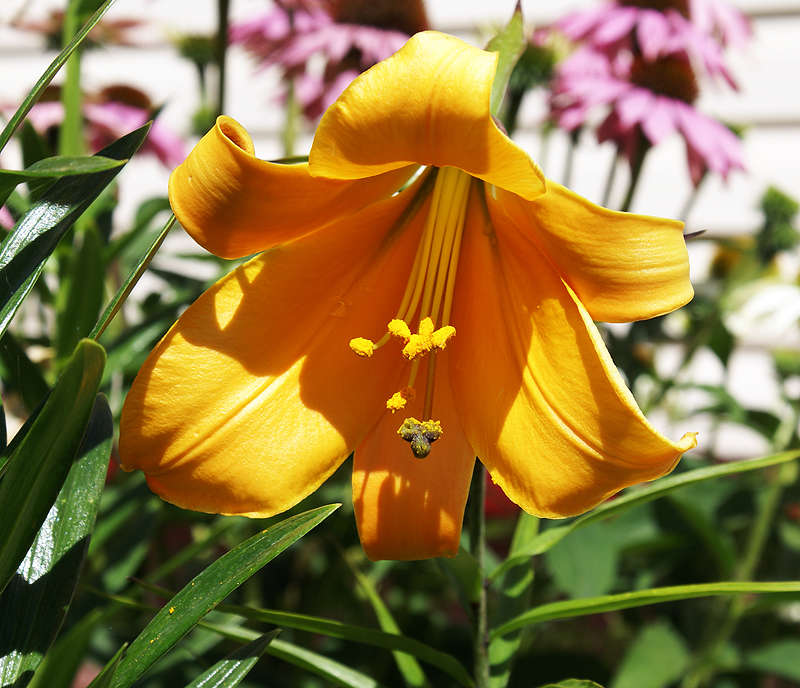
[(423, 296)]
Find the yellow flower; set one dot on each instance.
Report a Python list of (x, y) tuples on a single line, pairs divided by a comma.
[(462, 297)]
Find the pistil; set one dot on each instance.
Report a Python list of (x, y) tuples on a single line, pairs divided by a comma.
[(428, 296)]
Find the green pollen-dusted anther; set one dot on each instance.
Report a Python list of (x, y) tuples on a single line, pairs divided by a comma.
[(421, 435)]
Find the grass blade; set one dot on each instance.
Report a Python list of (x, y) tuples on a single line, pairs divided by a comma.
[(36, 235), (49, 73), (124, 291), (41, 591), (230, 671), (41, 461), (607, 603), (208, 589), (546, 539), (360, 634)]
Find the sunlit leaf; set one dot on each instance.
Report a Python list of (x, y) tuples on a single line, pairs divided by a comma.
[(509, 44), (41, 461), (208, 589), (231, 671)]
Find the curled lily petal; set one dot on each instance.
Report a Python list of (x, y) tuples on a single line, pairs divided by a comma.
[(253, 397), (427, 104), (410, 508), (564, 432), (622, 266), (234, 204)]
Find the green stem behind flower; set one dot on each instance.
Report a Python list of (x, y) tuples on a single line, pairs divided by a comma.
[(477, 537), (223, 7), (612, 173), (642, 148), (71, 135)]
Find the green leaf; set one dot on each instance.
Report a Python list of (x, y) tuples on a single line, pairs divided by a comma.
[(41, 461), (49, 73), (54, 168), (41, 591), (62, 661), (231, 671), (656, 659), (119, 298), (337, 674), (409, 668), (778, 658), (106, 675), (627, 600), (21, 374), (630, 498), (573, 683), (33, 144), (359, 634), (509, 43), (36, 235), (82, 290), (208, 589)]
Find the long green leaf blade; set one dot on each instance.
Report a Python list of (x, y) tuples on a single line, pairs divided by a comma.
[(546, 539), (334, 672), (54, 168), (36, 235), (41, 591), (208, 589), (360, 634), (49, 73), (41, 461), (509, 43), (607, 603), (230, 672), (119, 298)]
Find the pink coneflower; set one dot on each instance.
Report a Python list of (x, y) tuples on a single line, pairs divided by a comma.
[(348, 36), (656, 29), (109, 114), (649, 98)]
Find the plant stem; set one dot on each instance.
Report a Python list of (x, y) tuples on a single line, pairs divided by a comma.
[(612, 173), (477, 538), (70, 140), (642, 147), (570, 159), (223, 7)]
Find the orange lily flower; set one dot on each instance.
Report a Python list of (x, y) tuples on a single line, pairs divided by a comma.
[(419, 320)]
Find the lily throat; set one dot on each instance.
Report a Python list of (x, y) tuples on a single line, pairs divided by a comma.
[(427, 302)]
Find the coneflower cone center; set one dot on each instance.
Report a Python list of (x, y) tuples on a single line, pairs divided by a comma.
[(427, 304)]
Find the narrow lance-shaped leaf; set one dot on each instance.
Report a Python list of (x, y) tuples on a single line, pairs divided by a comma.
[(332, 671), (208, 589), (42, 589), (54, 168), (509, 44), (606, 603), (546, 539), (39, 465), (230, 672), (49, 73), (36, 235), (360, 634)]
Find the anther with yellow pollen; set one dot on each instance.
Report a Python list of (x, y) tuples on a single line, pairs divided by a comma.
[(428, 297)]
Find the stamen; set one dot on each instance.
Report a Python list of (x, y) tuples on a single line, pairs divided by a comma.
[(440, 338), (362, 347), (420, 434), (399, 328), (399, 399)]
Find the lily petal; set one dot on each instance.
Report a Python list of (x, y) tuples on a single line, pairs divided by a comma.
[(622, 266), (234, 204), (427, 104), (408, 508), (538, 394), (253, 398)]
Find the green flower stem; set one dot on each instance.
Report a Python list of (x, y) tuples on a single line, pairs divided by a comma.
[(642, 148), (477, 538), (612, 173), (725, 618), (569, 161), (223, 7), (71, 135)]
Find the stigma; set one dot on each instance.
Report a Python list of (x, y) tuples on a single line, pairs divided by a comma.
[(427, 301)]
